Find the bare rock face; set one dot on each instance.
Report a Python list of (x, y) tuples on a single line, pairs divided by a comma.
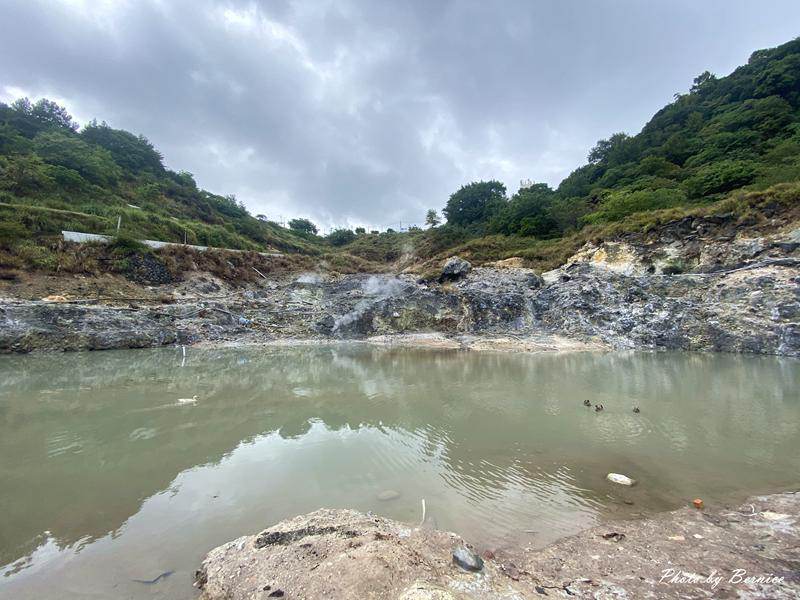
[(56, 326), (694, 284), (345, 554)]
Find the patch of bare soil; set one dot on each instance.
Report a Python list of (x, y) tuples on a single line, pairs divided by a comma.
[(36, 285)]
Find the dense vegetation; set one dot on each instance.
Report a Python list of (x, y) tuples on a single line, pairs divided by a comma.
[(54, 177), (724, 137), (724, 134)]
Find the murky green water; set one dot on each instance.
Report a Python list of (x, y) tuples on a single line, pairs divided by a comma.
[(106, 479)]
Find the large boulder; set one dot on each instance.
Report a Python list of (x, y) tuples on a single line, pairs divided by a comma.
[(455, 268)]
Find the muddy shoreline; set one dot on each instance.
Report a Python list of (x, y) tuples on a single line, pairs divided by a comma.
[(751, 551)]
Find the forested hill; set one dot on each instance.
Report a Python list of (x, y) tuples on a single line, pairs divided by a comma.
[(723, 134), (97, 174), (723, 137)]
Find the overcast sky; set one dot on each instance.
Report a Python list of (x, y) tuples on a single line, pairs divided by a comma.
[(368, 112)]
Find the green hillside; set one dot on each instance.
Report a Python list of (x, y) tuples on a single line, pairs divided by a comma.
[(725, 137), (54, 177), (722, 146)]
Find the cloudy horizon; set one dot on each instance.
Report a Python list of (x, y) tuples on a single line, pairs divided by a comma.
[(366, 113)]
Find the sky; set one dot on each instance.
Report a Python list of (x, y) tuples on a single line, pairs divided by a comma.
[(368, 112)]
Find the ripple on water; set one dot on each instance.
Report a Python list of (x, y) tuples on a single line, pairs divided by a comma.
[(142, 433), (64, 442)]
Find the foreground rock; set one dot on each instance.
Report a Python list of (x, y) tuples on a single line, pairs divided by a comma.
[(344, 554), (749, 552)]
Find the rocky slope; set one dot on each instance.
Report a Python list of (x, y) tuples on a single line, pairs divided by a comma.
[(748, 552), (692, 285)]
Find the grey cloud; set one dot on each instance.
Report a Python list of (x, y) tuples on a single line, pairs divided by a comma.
[(367, 112)]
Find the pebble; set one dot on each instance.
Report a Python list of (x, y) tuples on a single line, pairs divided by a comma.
[(467, 559)]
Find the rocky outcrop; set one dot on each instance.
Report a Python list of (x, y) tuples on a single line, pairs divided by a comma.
[(682, 290), (338, 554), (29, 326), (750, 551), (755, 310)]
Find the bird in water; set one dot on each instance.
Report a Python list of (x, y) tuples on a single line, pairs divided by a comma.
[(587, 403), (598, 407), (191, 400), (636, 409)]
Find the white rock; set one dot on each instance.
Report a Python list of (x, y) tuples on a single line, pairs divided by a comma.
[(620, 479)]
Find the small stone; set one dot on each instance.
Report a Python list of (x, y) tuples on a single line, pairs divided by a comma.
[(620, 479), (467, 559), (387, 495), (511, 570)]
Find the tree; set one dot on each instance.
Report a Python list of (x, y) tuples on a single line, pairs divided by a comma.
[(617, 149), (360, 231), (340, 237), (705, 78), (46, 112), (131, 152), (432, 218), (528, 213), (53, 115), (262, 218), (303, 225), (475, 202)]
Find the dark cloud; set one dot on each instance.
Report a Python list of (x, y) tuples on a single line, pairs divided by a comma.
[(369, 112)]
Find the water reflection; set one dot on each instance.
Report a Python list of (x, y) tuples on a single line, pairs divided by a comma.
[(107, 478)]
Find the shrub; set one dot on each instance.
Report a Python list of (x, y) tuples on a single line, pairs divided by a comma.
[(719, 177), (618, 205), (340, 237)]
